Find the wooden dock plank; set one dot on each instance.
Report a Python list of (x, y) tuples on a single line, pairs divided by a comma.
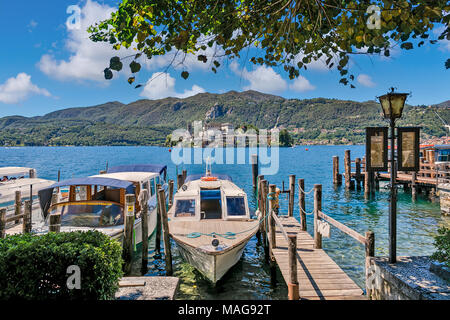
[(318, 275)]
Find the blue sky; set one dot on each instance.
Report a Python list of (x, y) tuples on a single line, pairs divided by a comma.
[(44, 66)]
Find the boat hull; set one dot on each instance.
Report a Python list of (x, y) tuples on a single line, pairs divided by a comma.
[(212, 265)]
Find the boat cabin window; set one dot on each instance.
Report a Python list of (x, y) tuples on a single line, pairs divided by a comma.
[(210, 204), (90, 214), (236, 206), (185, 208), (158, 180)]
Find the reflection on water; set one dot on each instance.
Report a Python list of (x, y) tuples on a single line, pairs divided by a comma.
[(250, 278)]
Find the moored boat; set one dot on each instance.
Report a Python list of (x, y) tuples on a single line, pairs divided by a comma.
[(211, 223), (98, 202)]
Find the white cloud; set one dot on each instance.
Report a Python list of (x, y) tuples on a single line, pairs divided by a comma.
[(365, 80), (87, 59), (162, 85), (33, 24), (19, 88), (301, 84), (444, 44), (263, 79)]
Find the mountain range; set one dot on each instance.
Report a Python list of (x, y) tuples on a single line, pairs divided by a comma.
[(148, 122)]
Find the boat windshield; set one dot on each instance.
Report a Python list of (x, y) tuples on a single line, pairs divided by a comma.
[(185, 208), (235, 206), (90, 214)]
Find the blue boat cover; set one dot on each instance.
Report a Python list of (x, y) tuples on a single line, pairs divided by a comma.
[(159, 168), (193, 177), (45, 195)]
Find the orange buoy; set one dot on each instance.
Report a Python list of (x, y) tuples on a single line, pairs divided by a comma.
[(306, 149)]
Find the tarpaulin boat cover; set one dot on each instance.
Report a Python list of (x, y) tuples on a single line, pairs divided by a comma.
[(45, 195), (193, 177), (159, 168)]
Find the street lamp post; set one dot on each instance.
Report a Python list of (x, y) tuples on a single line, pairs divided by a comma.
[(392, 104)]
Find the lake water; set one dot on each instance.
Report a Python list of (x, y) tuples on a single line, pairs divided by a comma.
[(250, 278)]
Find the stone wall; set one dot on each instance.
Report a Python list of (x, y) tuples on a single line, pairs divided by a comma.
[(408, 279)]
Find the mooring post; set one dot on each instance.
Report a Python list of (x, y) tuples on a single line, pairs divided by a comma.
[(336, 171), (358, 173), (413, 186), (272, 235), (347, 166), (265, 189), (366, 185), (127, 253), (170, 193), (291, 195), (317, 208), (17, 206), (144, 224), (301, 203), (179, 181), (184, 173), (293, 287), (59, 175), (370, 252), (260, 205), (54, 222), (158, 221), (165, 225), (2, 223), (254, 169), (26, 221)]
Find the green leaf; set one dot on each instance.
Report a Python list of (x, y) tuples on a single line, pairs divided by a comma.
[(135, 67), (185, 75), (131, 80), (202, 58), (108, 74), (406, 45), (115, 64), (447, 64)]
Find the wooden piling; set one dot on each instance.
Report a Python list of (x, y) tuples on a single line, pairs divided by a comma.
[(265, 192), (291, 195), (102, 172), (26, 222), (272, 235), (293, 287), (170, 193), (127, 253), (301, 203), (260, 204), (17, 206), (158, 221), (413, 186), (59, 175), (165, 225), (144, 225), (184, 174), (2, 223), (347, 167), (54, 222), (254, 170), (358, 173), (370, 252), (179, 181), (336, 179), (366, 184), (317, 208), (32, 173)]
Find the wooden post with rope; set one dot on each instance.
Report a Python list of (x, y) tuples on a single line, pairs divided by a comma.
[(293, 287), (127, 253), (301, 203), (260, 204), (165, 225), (272, 235), (291, 195), (143, 201), (265, 192), (158, 222), (317, 208), (347, 167)]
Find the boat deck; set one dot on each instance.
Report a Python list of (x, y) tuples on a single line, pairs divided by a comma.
[(319, 277), (180, 229)]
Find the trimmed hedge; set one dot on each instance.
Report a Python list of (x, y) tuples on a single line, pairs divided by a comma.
[(34, 267)]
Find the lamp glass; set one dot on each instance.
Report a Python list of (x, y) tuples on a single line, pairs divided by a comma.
[(392, 104)]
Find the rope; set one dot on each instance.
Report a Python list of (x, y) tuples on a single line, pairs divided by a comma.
[(307, 213), (312, 189)]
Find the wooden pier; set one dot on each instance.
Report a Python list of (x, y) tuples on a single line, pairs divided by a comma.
[(319, 277), (306, 268)]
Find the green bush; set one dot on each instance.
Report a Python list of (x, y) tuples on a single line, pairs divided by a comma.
[(35, 266), (442, 244)]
